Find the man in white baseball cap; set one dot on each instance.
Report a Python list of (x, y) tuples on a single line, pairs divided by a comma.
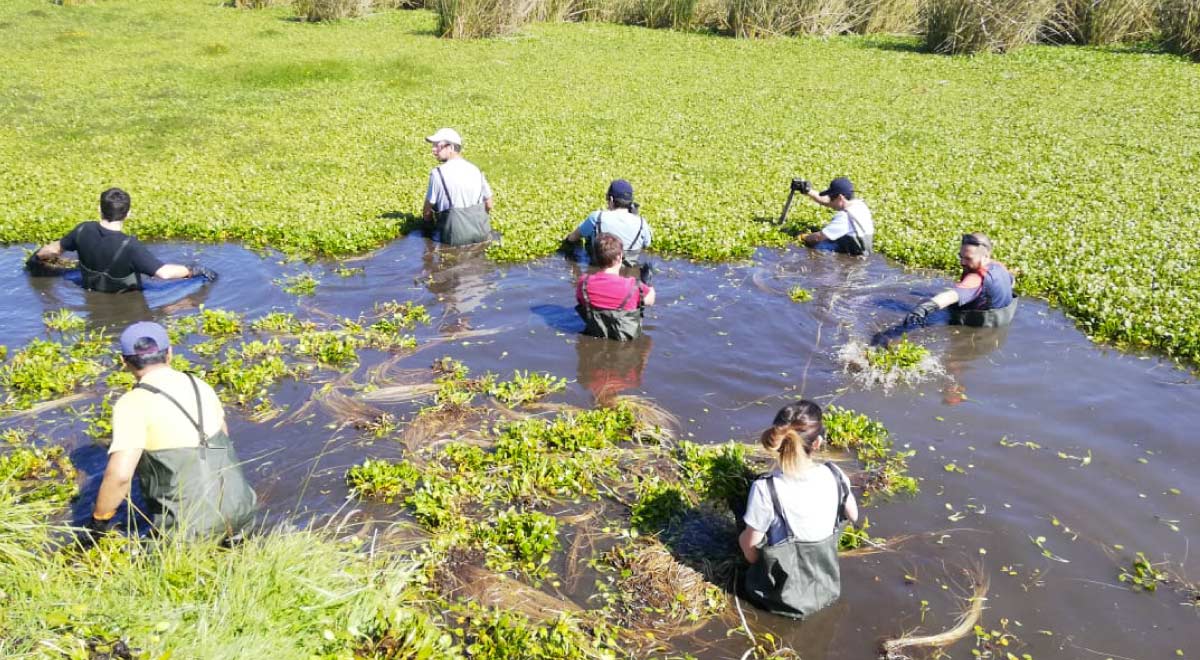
[(458, 200)]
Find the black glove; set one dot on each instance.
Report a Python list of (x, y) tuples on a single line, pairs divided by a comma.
[(88, 535), (645, 272), (920, 312), (196, 270)]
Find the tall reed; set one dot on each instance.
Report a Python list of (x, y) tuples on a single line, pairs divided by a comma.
[(1179, 23), (1103, 22), (674, 14), (887, 16), (330, 10), (765, 18), (975, 26), (467, 19)]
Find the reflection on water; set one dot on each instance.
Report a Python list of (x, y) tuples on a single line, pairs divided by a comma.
[(729, 348)]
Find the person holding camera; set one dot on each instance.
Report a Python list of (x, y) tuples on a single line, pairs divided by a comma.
[(852, 229), (621, 219), (983, 296), (611, 305)]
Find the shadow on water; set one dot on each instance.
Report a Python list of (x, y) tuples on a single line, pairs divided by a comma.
[(1095, 440)]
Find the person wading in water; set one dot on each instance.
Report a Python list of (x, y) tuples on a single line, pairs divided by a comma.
[(983, 296), (110, 260), (170, 431), (620, 219), (794, 519), (611, 305), (458, 199)]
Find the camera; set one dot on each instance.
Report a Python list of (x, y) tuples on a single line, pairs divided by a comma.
[(801, 186)]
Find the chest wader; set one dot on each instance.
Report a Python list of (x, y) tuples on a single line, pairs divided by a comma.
[(798, 578), (463, 226), (984, 318), (619, 324), (857, 245), (997, 305), (103, 281), (201, 490), (631, 257)]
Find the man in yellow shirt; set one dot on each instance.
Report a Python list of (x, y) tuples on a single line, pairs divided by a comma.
[(170, 431)]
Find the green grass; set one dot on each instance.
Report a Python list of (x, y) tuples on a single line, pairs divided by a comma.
[(243, 126)]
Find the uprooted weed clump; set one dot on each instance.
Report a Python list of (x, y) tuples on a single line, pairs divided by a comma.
[(901, 362)]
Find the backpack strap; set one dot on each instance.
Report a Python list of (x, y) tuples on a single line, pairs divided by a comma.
[(199, 425), (445, 190), (778, 508), (843, 493)]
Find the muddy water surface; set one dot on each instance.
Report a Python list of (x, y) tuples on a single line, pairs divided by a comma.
[(725, 348)]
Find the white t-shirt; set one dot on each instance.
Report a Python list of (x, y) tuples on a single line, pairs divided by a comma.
[(467, 185), (809, 501), (840, 224)]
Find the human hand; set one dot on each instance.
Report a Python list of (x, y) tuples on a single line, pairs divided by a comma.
[(645, 273), (91, 533)]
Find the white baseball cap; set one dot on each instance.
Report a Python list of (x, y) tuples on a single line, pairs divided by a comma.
[(445, 135)]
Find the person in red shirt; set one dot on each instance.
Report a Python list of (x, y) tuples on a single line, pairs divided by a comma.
[(611, 305)]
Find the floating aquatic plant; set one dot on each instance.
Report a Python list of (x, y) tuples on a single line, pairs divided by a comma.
[(901, 362)]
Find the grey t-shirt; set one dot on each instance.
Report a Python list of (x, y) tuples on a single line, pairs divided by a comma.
[(809, 501), (633, 231)]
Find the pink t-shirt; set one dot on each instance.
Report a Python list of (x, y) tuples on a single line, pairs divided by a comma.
[(606, 291)]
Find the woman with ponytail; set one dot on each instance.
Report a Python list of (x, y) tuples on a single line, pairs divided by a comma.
[(794, 519)]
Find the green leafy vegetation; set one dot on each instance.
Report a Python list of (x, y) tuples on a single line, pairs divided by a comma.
[(1118, 272), (382, 480), (887, 468), (44, 370), (1142, 575), (304, 284), (524, 541), (526, 387), (220, 322), (799, 294), (36, 474), (63, 320), (900, 362)]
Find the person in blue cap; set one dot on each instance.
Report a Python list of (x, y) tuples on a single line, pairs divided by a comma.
[(170, 431), (620, 219), (110, 260), (852, 229)]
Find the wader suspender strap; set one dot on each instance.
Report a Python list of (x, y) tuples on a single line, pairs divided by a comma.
[(116, 255), (778, 509), (843, 493), (199, 407), (634, 242), (587, 301), (445, 190), (858, 234)]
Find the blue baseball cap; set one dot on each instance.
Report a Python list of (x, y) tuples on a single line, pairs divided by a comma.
[(620, 189), (840, 186), (144, 330)]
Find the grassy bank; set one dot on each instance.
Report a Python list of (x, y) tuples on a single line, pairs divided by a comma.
[(247, 126)]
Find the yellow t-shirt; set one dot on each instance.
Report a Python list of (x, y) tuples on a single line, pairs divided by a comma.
[(149, 421)]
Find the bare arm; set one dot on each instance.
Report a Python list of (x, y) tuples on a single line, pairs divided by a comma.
[(649, 298), (851, 508), (488, 204), (427, 212), (748, 541), (115, 486), (573, 237), (173, 272), (818, 198), (49, 251)]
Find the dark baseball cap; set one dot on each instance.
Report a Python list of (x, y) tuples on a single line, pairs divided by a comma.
[(839, 186), (621, 189), (144, 330)]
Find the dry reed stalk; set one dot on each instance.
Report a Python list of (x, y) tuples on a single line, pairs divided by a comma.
[(399, 393), (656, 422), (493, 590), (47, 405), (963, 626), (976, 26), (672, 597)]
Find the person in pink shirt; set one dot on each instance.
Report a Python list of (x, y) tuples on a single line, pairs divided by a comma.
[(611, 305)]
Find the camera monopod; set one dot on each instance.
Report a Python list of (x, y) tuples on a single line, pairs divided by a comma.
[(798, 185)]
